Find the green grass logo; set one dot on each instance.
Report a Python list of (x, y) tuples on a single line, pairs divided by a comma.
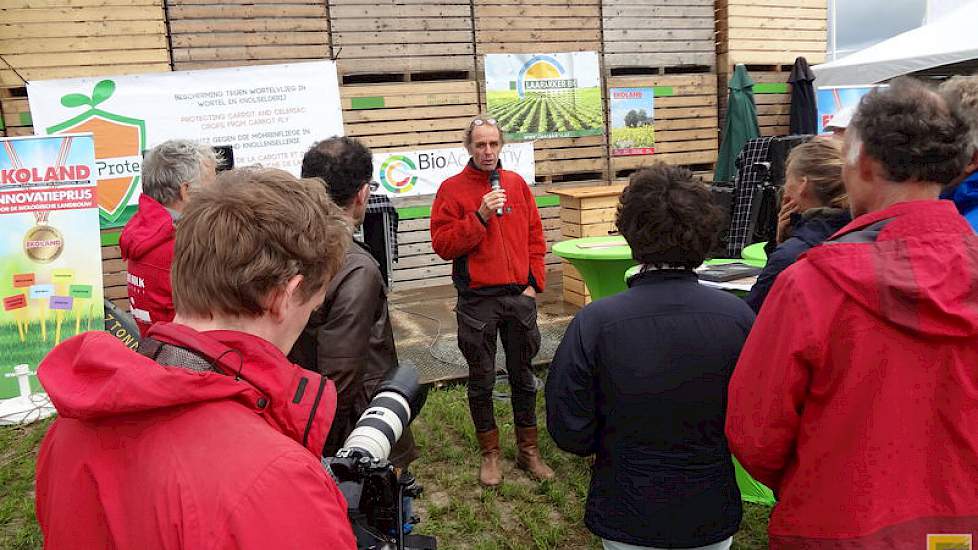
[(119, 142), (397, 174)]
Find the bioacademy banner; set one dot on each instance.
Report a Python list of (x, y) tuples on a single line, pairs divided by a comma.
[(269, 114), (535, 96), (410, 173), (50, 258)]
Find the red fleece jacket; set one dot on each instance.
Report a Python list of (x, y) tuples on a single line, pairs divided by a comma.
[(507, 250)]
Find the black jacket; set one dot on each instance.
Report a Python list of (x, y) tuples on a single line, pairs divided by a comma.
[(640, 380), (810, 229)]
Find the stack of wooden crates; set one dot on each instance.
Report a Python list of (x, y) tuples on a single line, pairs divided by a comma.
[(766, 36)]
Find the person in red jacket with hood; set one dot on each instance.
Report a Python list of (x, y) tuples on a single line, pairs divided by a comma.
[(170, 171), (209, 437), (485, 220), (856, 395)]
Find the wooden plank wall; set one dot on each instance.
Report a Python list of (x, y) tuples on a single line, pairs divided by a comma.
[(767, 36), (409, 115), (655, 34), (685, 122), (398, 36), (552, 26), (246, 32)]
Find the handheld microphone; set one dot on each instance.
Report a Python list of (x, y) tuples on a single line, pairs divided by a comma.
[(494, 183)]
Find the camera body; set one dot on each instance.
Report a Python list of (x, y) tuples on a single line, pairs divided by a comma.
[(368, 481)]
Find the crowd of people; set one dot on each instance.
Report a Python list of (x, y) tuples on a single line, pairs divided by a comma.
[(265, 331)]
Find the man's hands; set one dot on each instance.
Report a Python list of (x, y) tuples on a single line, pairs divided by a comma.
[(788, 207), (530, 291), (492, 201)]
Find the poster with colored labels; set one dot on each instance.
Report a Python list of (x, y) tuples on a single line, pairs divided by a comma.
[(413, 173), (536, 96), (50, 252), (268, 114)]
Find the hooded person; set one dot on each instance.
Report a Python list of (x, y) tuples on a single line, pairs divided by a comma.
[(854, 397), (170, 172), (208, 437)]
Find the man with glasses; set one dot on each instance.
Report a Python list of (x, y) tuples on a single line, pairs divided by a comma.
[(349, 339), (486, 221)]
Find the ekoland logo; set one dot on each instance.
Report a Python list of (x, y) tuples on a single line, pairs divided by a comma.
[(397, 174), (119, 143), (543, 73)]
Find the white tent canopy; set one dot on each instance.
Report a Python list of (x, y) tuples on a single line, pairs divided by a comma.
[(950, 39)]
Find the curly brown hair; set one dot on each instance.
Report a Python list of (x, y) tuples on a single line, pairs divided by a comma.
[(668, 217), (913, 132)]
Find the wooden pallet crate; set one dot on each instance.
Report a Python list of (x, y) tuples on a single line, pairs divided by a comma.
[(772, 96), (246, 32), (656, 36), (73, 38), (771, 31), (114, 277), (16, 114), (531, 26), (418, 266), (409, 115), (587, 211), (402, 37), (686, 122)]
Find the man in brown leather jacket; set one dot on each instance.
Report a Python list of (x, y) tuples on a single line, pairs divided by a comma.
[(350, 339)]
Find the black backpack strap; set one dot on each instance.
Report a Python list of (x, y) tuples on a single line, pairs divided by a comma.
[(868, 234)]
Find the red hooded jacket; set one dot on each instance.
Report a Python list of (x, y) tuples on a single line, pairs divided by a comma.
[(149, 456), (147, 246), (506, 251), (856, 395)]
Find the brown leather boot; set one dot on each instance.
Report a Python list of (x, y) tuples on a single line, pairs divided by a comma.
[(489, 473), (528, 455)]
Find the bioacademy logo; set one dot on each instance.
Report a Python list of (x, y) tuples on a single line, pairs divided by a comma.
[(543, 73), (119, 142), (397, 174)]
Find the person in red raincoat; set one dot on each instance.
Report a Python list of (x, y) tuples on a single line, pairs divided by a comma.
[(856, 395), (209, 437)]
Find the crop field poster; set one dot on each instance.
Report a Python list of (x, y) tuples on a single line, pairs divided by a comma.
[(632, 121), (832, 100), (534, 96), (268, 114), (50, 252)]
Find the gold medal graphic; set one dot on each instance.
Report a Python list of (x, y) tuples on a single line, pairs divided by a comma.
[(43, 243)]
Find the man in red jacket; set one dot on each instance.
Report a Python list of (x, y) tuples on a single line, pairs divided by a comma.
[(209, 437), (494, 237), (856, 395), (170, 171)]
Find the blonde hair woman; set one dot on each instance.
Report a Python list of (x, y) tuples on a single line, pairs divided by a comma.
[(814, 206)]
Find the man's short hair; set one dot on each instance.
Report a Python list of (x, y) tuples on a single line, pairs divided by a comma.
[(913, 132), (962, 92), (343, 163), (247, 235), (668, 217), (172, 163)]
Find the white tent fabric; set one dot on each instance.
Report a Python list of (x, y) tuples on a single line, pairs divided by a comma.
[(950, 39)]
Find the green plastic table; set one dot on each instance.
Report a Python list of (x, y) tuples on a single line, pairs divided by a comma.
[(755, 252), (601, 261)]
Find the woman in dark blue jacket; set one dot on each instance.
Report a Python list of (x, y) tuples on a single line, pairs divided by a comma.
[(814, 206), (640, 379)]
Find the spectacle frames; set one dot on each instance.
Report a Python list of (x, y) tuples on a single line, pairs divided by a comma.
[(373, 185), (480, 122)]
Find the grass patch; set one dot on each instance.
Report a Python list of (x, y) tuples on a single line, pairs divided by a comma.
[(519, 514)]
